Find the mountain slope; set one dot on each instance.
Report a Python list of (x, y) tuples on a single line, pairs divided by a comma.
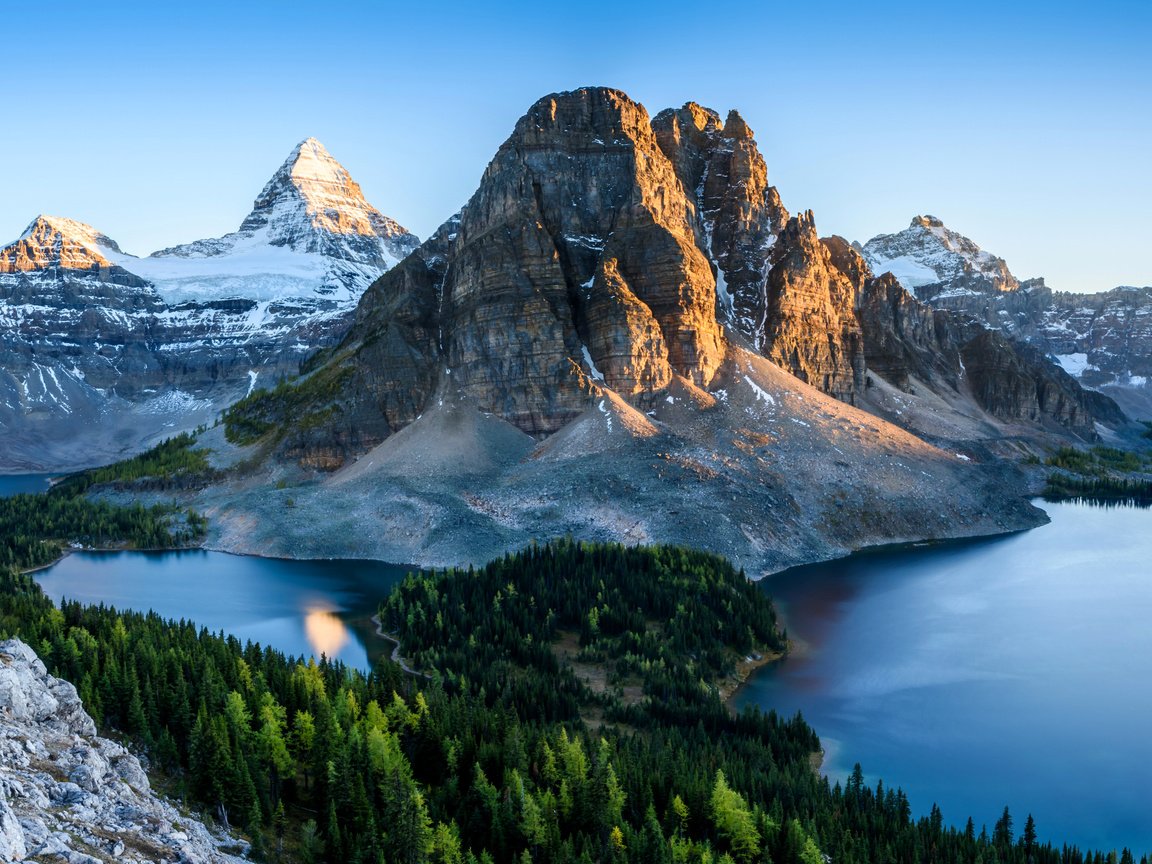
[(568, 355), (102, 352)]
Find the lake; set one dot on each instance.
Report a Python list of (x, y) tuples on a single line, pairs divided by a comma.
[(1014, 671), (298, 607), (15, 484)]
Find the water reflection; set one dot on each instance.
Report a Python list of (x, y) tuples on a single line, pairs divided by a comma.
[(326, 632), (303, 608)]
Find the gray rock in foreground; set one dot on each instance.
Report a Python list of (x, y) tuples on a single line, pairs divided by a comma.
[(68, 795)]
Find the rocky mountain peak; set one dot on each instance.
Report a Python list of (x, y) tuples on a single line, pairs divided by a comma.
[(934, 261), (735, 127), (926, 222), (53, 241)]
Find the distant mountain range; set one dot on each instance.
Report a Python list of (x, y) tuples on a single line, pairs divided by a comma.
[(623, 335), (1103, 340), (102, 352)]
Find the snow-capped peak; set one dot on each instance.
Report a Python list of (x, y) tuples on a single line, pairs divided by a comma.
[(78, 232), (928, 257), (53, 241), (313, 199), (311, 161), (312, 206)]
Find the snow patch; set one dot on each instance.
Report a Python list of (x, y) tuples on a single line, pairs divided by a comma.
[(761, 394), (1073, 364), (607, 416), (592, 370), (908, 271)]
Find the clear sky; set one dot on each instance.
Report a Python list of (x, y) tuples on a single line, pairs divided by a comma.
[(1025, 125)]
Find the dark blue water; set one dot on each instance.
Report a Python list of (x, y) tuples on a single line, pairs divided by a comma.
[(15, 484), (298, 607), (1013, 672)]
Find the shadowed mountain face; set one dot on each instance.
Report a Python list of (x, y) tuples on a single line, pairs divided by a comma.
[(102, 352), (623, 335)]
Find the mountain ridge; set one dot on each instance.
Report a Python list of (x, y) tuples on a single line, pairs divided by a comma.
[(104, 352), (1102, 340)]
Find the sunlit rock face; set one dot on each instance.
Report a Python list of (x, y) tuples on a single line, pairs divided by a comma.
[(739, 215), (102, 353), (812, 328)]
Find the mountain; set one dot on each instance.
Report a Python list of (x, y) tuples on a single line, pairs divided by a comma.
[(1102, 340), (623, 335), (932, 260), (310, 229), (102, 352)]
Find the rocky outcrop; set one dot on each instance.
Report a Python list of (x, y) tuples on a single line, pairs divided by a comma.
[(740, 215), (906, 339), (102, 353), (812, 328), (68, 795)]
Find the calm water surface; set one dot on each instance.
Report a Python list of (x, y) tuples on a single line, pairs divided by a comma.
[(15, 484), (298, 607), (1014, 672)]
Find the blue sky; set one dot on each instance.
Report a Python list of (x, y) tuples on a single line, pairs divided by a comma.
[(1027, 128)]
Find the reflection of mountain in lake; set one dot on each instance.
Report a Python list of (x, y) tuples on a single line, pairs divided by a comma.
[(326, 633)]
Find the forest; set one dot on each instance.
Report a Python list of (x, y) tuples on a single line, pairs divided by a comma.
[(1100, 474), (501, 747)]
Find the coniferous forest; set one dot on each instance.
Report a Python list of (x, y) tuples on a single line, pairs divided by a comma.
[(561, 705)]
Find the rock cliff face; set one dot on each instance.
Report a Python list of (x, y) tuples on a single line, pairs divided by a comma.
[(1102, 340), (604, 251), (102, 353), (812, 329), (68, 795), (905, 339), (739, 216)]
